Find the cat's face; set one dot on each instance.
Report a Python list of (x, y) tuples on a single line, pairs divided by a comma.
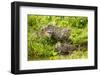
[(48, 31)]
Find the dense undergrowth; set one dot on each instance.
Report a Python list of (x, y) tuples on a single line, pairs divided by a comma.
[(41, 47)]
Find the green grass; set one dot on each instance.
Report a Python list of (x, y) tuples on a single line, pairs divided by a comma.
[(41, 47)]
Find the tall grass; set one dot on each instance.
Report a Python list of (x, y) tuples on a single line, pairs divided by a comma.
[(41, 47)]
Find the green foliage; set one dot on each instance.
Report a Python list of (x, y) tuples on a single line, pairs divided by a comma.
[(42, 47), (79, 35)]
